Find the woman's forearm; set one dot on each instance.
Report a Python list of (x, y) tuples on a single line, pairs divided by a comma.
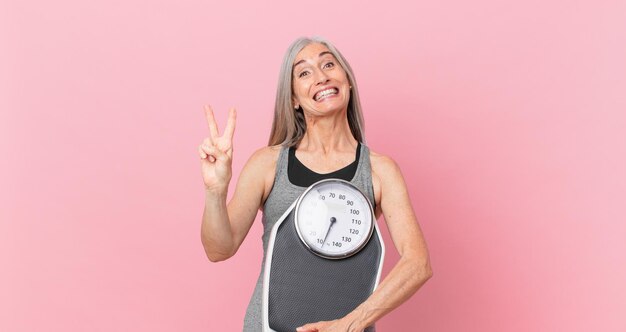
[(217, 237), (402, 282)]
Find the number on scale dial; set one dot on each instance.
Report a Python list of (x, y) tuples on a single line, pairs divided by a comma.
[(334, 219)]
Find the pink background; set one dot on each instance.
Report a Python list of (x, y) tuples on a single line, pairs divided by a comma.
[(506, 117)]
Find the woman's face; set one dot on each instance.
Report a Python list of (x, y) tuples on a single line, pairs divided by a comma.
[(320, 85)]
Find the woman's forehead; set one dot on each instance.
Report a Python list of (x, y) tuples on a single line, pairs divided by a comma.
[(312, 52)]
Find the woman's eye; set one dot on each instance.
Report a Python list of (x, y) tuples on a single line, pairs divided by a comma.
[(302, 74), (329, 65)]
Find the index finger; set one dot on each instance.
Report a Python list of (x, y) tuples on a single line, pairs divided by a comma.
[(229, 131), (210, 119)]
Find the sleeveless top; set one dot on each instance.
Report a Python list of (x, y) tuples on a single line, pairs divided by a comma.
[(301, 176), (282, 195)]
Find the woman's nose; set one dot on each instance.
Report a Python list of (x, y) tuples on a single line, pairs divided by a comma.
[(321, 78)]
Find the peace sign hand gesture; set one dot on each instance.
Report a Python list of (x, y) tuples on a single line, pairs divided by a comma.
[(216, 152)]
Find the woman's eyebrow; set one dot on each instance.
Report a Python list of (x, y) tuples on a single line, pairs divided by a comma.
[(321, 54)]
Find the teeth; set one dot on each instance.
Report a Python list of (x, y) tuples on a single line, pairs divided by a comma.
[(325, 93)]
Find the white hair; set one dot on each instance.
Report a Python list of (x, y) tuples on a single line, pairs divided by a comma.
[(289, 126)]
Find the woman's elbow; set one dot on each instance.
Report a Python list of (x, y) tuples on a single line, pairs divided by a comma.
[(423, 270), (427, 271), (423, 265), (217, 257), (214, 252), (419, 264)]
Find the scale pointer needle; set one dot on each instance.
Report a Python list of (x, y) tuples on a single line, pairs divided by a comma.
[(332, 222)]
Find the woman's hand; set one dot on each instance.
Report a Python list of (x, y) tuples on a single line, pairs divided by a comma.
[(216, 152), (337, 325)]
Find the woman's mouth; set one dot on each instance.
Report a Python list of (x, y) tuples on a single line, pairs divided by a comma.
[(325, 93)]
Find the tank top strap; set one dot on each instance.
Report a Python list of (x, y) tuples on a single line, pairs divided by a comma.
[(281, 164), (363, 176), (281, 196)]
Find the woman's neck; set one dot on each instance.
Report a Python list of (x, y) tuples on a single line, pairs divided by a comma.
[(327, 134)]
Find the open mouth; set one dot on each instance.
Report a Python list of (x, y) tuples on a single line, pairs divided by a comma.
[(325, 93)]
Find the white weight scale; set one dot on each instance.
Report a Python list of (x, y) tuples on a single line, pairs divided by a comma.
[(325, 257)]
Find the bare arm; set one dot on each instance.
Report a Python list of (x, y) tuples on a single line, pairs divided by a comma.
[(225, 227), (411, 271)]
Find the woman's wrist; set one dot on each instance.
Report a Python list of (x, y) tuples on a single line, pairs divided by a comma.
[(216, 191), (357, 320)]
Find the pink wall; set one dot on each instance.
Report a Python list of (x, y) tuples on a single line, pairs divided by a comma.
[(507, 118)]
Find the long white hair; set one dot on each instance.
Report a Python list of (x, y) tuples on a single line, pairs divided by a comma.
[(289, 126)]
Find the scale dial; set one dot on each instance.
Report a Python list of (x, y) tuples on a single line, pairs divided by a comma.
[(334, 219)]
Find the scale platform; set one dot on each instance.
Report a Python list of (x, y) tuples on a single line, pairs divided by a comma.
[(301, 287)]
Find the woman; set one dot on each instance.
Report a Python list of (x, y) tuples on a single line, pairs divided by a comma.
[(316, 133)]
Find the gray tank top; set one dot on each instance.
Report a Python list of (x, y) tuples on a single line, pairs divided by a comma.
[(283, 194)]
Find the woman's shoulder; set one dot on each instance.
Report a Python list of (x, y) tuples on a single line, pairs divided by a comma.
[(384, 173), (382, 163), (265, 157), (386, 176), (262, 164), (267, 153)]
